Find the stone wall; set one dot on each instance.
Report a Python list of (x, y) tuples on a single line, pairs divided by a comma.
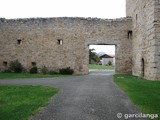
[(39, 40), (156, 23), (64, 42), (145, 44)]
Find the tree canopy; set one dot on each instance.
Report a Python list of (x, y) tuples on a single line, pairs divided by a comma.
[(93, 56)]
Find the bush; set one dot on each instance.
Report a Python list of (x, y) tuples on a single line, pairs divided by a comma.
[(109, 63), (15, 66), (33, 70), (53, 72), (7, 70), (24, 70), (44, 70), (66, 71)]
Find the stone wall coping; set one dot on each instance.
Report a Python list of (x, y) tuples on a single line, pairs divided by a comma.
[(23, 20)]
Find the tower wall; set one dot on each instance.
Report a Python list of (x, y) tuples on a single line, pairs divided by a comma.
[(144, 45)]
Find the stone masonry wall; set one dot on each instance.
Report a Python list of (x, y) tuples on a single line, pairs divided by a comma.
[(157, 38), (41, 36), (137, 40), (143, 43)]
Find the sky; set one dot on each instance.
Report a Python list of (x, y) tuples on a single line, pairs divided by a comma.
[(63, 8), (108, 49)]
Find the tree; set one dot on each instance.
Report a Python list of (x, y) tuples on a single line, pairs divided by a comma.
[(93, 56), (97, 59)]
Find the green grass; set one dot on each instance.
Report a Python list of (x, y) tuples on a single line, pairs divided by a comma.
[(100, 67), (143, 93), (20, 102), (27, 75)]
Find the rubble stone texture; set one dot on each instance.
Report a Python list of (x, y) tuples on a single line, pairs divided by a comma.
[(146, 37), (64, 42)]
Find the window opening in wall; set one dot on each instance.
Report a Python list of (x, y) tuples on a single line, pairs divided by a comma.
[(19, 41), (5, 63), (60, 41), (129, 34), (143, 67), (34, 63)]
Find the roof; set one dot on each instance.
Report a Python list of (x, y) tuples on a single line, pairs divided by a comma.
[(106, 56)]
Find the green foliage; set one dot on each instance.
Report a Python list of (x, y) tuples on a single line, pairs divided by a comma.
[(33, 70), (144, 94), (109, 63), (66, 71), (15, 66), (20, 102), (44, 70), (93, 56), (53, 72), (97, 59), (7, 70)]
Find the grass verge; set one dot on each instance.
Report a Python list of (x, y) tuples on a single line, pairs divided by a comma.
[(20, 102), (143, 93), (27, 75), (100, 67)]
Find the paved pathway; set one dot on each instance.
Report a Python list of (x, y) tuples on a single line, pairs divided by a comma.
[(90, 97)]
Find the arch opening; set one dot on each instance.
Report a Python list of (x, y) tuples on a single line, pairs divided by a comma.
[(101, 57)]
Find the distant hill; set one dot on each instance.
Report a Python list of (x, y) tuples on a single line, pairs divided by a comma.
[(101, 53)]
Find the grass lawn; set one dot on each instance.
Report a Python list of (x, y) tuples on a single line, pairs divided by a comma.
[(20, 102), (143, 93), (100, 67), (27, 75)]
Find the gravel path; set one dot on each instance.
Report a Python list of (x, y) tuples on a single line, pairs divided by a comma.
[(90, 97)]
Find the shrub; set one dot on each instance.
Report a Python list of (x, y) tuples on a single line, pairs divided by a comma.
[(24, 70), (53, 72), (109, 63), (15, 66), (7, 70), (44, 70), (66, 71), (33, 70)]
